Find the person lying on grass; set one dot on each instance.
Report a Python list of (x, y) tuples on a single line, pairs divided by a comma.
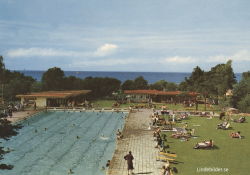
[(181, 135), (240, 120), (204, 144), (223, 125), (236, 135)]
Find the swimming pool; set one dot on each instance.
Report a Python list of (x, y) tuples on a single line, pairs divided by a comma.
[(52, 143)]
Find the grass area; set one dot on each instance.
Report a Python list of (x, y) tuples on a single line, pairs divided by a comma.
[(103, 103), (228, 153), (181, 107)]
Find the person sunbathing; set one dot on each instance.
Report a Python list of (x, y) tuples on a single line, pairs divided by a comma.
[(236, 135), (240, 120), (180, 135), (223, 125), (204, 144)]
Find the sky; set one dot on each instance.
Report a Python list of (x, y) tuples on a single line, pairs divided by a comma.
[(125, 35)]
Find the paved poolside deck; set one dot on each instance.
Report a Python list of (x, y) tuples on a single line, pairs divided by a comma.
[(20, 115), (139, 140)]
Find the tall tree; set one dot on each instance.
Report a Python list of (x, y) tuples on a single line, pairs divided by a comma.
[(140, 83), (240, 90), (128, 85), (16, 83), (101, 87), (163, 85), (52, 79), (222, 78)]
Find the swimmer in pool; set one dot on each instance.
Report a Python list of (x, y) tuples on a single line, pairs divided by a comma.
[(70, 171), (45, 129), (35, 131), (77, 137)]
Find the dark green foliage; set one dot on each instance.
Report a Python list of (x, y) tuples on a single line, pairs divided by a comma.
[(72, 83), (244, 104), (246, 75), (240, 91), (19, 84), (213, 83), (137, 83), (164, 85), (52, 79), (128, 85), (36, 86), (16, 83), (222, 78), (140, 83), (195, 82), (101, 87)]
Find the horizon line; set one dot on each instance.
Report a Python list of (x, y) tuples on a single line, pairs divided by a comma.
[(109, 71)]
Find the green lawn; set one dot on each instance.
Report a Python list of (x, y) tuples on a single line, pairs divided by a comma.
[(103, 103), (181, 107), (229, 153)]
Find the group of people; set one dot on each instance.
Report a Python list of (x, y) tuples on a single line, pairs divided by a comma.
[(159, 139), (155, 117), (226, 125), (10, 109)]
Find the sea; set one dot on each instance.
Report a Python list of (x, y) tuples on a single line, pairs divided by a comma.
[(151, 77)]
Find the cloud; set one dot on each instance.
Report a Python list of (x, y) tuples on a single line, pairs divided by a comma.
[(242, 55), (179, 59), (106, 49), (30, 52)]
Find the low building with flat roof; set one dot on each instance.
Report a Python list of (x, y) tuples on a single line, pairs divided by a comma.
[(159, 96), (54, 98)]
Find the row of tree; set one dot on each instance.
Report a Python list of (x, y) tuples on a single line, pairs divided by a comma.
[(55, 79), (211, 84)]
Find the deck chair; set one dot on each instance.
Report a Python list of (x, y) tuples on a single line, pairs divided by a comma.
[(168, 154), (164, 159)]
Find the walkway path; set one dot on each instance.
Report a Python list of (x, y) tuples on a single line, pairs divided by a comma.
[(140, 141), (20, 115)]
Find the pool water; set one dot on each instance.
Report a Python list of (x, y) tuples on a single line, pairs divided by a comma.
[(52, 143)]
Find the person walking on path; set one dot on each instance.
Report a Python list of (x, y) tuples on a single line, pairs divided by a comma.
[(129, 157)]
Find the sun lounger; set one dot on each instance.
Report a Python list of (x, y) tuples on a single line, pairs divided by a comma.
[(168, 154), (164, 159)]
